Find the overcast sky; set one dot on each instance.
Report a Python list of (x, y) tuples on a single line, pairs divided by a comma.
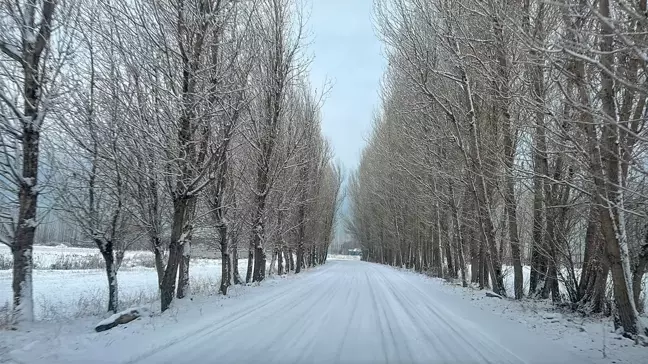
[(346, 51)]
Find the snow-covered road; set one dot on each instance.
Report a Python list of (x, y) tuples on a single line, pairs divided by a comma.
[(356, 312), (342, 312)]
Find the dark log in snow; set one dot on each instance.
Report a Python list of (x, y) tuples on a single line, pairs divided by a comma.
[(120, 318), (493, 294)]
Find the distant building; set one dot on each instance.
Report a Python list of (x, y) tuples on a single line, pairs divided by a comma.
[(355, 251)]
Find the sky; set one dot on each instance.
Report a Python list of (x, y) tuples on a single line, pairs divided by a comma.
[(346, 52)]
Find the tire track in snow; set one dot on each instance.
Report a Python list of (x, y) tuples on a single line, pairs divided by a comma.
[(211, 327), (448, 351), (416, 322), (355, 304), (465, 330), (374, 303), (319, 316), (298, 302), (351, 312), (392, 303)]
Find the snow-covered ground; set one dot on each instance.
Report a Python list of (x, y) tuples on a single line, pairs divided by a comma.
[(343, 257), (526, 272), (64, 294), (45, 257), (346, 311)]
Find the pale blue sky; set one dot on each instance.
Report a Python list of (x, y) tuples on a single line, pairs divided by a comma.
[(346, 51)]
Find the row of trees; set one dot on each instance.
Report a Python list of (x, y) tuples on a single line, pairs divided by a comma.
[(158, 121), (511, 134)]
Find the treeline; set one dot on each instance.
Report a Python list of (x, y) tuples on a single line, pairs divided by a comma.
[(512, 134), (159, 121)]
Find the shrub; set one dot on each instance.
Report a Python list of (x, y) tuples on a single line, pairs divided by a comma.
[(6, 261), (146, 260), (76, 261)]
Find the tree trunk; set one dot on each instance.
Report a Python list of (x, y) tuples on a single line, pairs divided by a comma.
[(594, 272), (23, 304), (183, 277), (436, 241), (28, 190), (226, 264), (509, 154), (538, 252), (259, 264), (475, 253), (310, 259), (273, 261), (167, 289), (452, 273), (425, 261), (301, 235), (611, 192), (300, 253), (258, 233), (280, 268), (235, 269), (159, 259), (483, 266), (511, 211), (111, 274), (535, 72), (638, 273), (291, 260), (183, 271), (250, 265), (22, 248), (459, 235), (551, 283), (479, 187), (179, 232)]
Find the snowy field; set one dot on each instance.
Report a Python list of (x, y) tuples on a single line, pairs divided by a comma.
[(342, 312), (62, 294), (61, 256)]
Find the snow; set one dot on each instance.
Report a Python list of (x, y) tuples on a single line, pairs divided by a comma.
[(45, 256), (551, 315), (65, 294), (31, 223), (343, 257), (346, 311)]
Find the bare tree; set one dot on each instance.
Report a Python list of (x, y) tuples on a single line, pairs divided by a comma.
[(281, 66), (31, 64)]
